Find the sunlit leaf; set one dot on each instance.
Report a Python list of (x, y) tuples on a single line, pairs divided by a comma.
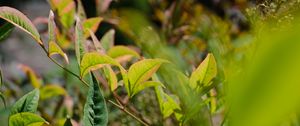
[(51, 90), (35, 81), (20, 20), (92, 24), (5, 30), (118, 52), (55, 49), (79, 41), (68, 122), (26, 119), (111, 78), (95, 111), (205, 72), (167, 104), (143, 70), (141, 86), (28, 103), (66, 11), (108, 39), (93, 60)]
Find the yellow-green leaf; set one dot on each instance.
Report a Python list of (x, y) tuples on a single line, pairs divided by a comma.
[(34, 79), (141, 71), (26, 119), (21, 21), (167, 104), (65, 10), (205, 72), (94, 60), (55, 49), (141, 86), (117, 52), (92, 24), (51, 90), (111, 77)]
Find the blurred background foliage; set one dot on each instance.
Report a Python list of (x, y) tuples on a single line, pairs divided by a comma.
[(255, 43)]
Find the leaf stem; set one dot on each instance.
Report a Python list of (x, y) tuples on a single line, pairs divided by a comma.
[(120, 105)]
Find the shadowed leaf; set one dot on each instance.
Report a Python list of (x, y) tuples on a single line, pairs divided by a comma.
[(108, 39), (68, 122), (95, 111), (28, 103), (5, 30)]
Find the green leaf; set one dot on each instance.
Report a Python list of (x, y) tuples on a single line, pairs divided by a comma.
[(68, 122), (141, 86), (141, 71), (26, 119), (28, 103), (92, 24), (35, 81), (121, 51), (108, 39), (94, 60), (205, 72), (95, 111), (51, 27), (1, 77), (1, 82), (20, 20), (3, 99), (5, 30), (51, 90), (111, 78), (79, 41)]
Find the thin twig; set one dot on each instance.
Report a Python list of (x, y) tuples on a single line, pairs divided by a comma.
[(129, 113), (120, 105)]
